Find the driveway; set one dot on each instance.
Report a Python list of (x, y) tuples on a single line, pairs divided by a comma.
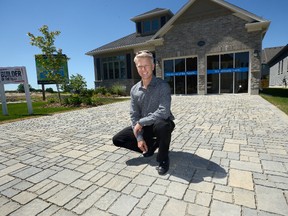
[(228, 157)]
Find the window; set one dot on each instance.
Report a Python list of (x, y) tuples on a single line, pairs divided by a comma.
[(163, 21), (114, 67), (228, 73), (155, 25), (181, 74), (146, 26), (150, 26)]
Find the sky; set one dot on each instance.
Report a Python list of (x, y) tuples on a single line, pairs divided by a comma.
[(89, 24)]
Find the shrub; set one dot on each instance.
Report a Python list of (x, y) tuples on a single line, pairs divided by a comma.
[(87, 101), (96, 101), (50, 90), (51, 100), (101, 90), (66, 101), (75, 100), (118, 90), (87, 92)]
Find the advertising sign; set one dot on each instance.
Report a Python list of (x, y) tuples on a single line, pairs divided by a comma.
[(12, 75), (42, 73)]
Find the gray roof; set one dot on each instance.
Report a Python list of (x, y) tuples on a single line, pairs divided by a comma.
[(155, 11), (269, 53), (132, 39), (278, 56), (129, 40)]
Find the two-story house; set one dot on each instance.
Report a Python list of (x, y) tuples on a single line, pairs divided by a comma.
[(207, 47)]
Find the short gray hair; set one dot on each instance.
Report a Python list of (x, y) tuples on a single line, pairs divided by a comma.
[(144, 54)]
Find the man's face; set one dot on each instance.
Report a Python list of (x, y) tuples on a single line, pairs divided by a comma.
[(145, 68)]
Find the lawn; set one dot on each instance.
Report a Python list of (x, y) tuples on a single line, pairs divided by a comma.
[(19, 111), (277, 97)]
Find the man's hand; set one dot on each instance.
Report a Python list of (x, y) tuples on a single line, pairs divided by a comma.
[(137, 129), (142, 145)]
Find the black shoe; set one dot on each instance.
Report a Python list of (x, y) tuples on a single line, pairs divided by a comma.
[(151, 150), (163, 167)]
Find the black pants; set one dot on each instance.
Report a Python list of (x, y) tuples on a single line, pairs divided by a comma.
[(161, 130)]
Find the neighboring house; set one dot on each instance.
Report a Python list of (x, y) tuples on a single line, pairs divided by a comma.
[(278, 67), (267, 54), (207, 47)]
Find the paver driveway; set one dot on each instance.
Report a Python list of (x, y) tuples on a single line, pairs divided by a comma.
[(228, 157)]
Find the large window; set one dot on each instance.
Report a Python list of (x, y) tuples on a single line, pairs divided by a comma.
[(228, 73), (114, 67), (181, 74)]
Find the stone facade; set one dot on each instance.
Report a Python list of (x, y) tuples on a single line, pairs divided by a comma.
[(221, 34)]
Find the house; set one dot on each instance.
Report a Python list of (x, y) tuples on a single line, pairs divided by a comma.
[(266, 55), (207, 47), (278, 69)]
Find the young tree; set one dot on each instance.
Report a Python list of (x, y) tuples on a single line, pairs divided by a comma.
[(76, 84), (51, 59)]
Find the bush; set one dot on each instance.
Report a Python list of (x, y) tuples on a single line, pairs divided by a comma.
[(87, 92), (96, 101), (75, 100), (118, 90), (50, 90), (87, 101), (51, 100), (101, 90)]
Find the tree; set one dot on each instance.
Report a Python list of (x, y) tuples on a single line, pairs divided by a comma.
[(51, 59), (77, 84), (21, 89)]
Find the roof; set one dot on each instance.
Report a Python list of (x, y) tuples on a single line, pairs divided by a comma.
[(254, 23), (130, 40), (269, 53), (154, 12), (282, 53)]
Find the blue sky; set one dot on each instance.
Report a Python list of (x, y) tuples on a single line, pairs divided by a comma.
[(88, 24)]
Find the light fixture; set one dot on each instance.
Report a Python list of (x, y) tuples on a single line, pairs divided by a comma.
[(256, 53)]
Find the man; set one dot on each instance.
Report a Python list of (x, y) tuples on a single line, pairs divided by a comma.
[(150, 115)]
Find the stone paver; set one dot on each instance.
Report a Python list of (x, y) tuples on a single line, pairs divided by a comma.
[(229, 156)]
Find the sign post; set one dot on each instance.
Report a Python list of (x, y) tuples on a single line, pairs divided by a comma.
[(3, 99), (9, 75)]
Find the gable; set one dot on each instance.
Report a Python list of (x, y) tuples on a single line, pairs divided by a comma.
[(201, 10)]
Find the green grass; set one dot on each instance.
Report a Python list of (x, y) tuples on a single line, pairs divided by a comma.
[(276, 96), (19, 111)]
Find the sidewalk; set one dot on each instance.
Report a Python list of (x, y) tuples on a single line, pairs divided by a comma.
[(229, 156)]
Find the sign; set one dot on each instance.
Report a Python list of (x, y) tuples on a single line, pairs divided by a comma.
[(42, 73), (12, 75), (184, 73), (228, 70)]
